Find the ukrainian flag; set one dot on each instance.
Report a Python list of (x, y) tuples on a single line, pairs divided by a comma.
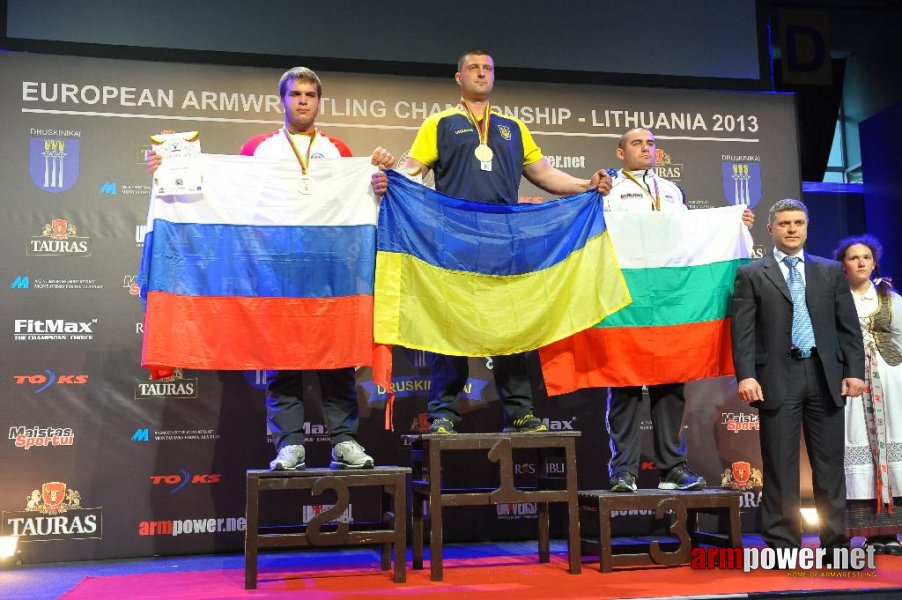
[(475, 279)]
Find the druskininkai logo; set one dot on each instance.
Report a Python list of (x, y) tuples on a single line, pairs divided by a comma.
[(742, 182), (54, 160)]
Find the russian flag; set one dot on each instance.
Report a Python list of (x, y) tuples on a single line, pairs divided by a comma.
[(680, 269), (252, 274), (476, 279)]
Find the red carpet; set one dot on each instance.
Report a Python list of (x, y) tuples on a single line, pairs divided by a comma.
[(516, 577)]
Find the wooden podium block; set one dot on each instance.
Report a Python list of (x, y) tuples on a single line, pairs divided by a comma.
[(685, 507), (390, 534), (430, 450)]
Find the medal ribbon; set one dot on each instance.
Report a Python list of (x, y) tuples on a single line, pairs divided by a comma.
[(655, 199), (303, 161), (483, 130)]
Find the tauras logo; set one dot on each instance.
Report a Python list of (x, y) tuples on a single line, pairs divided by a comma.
[(742, 476), (29, 437), (87, 524), (53, 513), (176, 386), (59, 238)]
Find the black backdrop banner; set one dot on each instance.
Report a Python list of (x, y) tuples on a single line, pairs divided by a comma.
[(101, 462)]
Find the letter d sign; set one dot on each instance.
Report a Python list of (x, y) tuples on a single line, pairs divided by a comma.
[(805, 43)]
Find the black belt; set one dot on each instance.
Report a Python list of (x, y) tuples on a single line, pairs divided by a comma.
[(796, 354)]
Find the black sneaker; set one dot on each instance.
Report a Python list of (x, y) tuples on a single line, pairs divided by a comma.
[(528, 423), (625, 482), (681, 478), (441, 425)]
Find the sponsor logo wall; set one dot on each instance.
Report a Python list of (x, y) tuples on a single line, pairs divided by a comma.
[(101, 462)]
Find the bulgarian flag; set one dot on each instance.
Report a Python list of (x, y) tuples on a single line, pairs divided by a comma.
[(254, 274), (680, 269)]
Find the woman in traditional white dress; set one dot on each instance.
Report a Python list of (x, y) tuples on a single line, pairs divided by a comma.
[(873, 457)]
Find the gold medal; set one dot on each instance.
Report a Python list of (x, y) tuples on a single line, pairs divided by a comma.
[(483, 153)]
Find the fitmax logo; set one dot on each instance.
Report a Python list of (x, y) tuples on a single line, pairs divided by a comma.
[(562, 425), (53, 326)]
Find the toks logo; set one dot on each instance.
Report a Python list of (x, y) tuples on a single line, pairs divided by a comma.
[(184, 478), (53, 513), (48, 379)]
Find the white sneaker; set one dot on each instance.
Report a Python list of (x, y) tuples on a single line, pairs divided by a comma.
[(350, 455), (289, 458)]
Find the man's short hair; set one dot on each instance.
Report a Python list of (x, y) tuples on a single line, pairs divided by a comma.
[(785, 205), (299, 74), (622, 143), (473, 52)]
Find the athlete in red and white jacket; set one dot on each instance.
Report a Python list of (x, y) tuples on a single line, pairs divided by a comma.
[(300, 91)]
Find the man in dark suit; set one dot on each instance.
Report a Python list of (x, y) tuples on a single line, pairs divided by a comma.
[(797, 350)]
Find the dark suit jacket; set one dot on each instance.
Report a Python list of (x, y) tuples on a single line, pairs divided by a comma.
[(761, 325)]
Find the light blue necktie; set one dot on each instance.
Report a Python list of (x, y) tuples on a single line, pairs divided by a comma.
[(802, 332)]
